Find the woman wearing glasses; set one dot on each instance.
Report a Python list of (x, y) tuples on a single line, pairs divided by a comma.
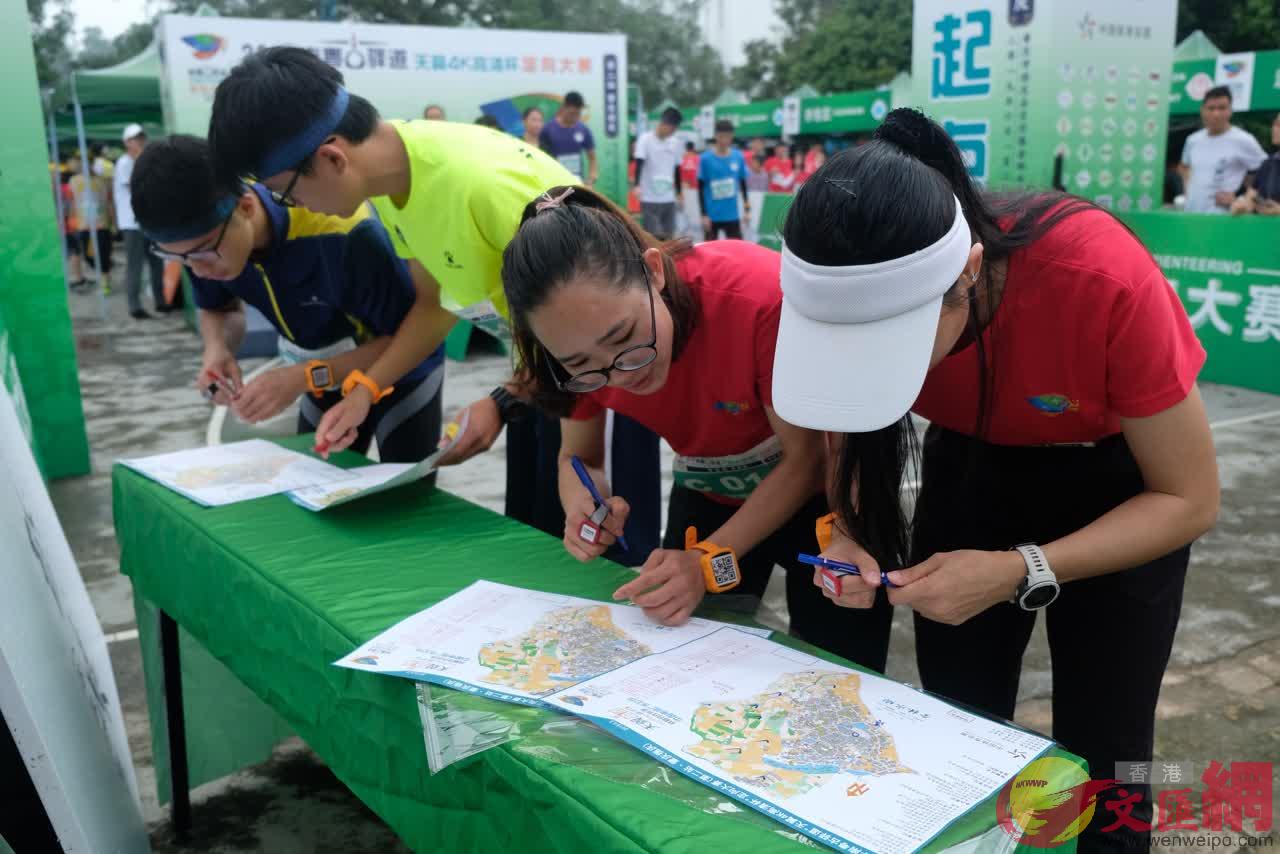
[(332, 287), (681, 339)]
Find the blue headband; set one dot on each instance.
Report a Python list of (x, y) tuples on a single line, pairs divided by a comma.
[(211, 219), (288, 154)]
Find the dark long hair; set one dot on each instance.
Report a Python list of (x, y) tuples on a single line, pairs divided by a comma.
[(883, 200), (584, 235)]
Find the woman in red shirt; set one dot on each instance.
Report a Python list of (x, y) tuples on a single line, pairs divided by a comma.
[(1068, 464), (781, 170), (681, 339)]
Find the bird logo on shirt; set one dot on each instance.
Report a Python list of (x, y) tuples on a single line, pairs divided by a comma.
[(1053, 405), (732, 407), (450, 262)]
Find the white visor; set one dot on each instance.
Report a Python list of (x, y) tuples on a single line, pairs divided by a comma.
[(854, 342)]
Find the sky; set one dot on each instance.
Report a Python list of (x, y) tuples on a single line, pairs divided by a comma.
[(112, 16)]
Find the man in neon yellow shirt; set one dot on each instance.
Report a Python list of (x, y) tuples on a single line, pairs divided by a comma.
[(451, 196)]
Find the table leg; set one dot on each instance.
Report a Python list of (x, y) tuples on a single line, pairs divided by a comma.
[(180, 808)]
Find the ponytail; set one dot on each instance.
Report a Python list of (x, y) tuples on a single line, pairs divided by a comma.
[(567, 233), (881, 201)]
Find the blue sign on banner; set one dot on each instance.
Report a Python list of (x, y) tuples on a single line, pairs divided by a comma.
[(611, 107)]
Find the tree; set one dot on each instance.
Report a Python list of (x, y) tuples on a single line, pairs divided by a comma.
[(756, 74), (832, 45), (51, 25), (1236, 26)]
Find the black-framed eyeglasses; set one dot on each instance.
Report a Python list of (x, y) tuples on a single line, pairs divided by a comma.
[(631, 359), (285, 197), (197, 254)]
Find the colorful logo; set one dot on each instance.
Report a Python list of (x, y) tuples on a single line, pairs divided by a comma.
[(1049, 802), (1087, 25), (1053, 404), (1234, 68), (366, 659), (204, 45), (732, 407)]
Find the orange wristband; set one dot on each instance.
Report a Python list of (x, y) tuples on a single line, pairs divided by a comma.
[(356, 378), (824, 529)]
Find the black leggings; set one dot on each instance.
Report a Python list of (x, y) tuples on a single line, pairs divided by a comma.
[(732, 229), (406, 423), (861, 636), (1109, 636)]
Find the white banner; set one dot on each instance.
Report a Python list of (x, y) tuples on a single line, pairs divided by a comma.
[(57, 690), (403, 69)]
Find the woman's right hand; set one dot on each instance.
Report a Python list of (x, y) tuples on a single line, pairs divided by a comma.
[(577, 512), (857, 591)]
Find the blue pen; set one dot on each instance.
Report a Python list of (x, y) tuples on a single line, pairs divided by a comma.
[(837, 568), (588, 532)]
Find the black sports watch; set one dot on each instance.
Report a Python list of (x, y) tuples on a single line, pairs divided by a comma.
[(1040, 587), (510, 407)]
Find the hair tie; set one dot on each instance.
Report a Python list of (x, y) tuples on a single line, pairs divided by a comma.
[(547, 201)]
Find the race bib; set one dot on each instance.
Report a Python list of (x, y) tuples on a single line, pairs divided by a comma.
[(662, 186), (722, 188), (484, 316), (572, 162), (734, 476)]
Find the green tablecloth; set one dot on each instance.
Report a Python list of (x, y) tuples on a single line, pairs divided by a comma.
[(276, 593)]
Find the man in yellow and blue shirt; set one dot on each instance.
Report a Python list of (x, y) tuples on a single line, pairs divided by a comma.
[(452, 196), (332, 287)]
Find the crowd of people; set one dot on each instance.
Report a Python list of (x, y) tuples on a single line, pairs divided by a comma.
[(97, 213), (1033, 331)]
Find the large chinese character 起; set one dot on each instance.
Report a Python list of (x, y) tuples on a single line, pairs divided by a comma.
[(399, 59), (1262, 315), (956, 72), (1210, 298)]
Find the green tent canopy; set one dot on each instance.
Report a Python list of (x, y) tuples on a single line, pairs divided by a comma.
[(111, 98)]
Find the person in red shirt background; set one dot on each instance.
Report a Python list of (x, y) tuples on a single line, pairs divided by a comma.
[(681, 339), (780, 169), (689, 167), (1068, 464)]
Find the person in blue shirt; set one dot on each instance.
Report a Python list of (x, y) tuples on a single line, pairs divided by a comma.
[(722, 174), (332, 287), (568, 140)]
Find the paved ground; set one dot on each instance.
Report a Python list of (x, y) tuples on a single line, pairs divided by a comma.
[(1222, 693)]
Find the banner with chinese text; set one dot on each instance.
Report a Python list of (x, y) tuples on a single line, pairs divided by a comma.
[(1227, 272), (1018, 83), (401, 69), (1254, 80)]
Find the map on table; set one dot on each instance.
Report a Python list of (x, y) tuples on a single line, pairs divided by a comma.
[(240, 471), (852, 760), (370, 480), (518, 645)]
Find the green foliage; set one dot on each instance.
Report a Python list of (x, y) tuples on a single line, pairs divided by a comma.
[(1238, 25), (51, 24), (831, 45)]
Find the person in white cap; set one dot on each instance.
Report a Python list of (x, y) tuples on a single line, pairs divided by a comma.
[(135, 243), (1068, 464)]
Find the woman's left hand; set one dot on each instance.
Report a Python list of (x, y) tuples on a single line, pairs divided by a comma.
[(951, 587), (672, 585)]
